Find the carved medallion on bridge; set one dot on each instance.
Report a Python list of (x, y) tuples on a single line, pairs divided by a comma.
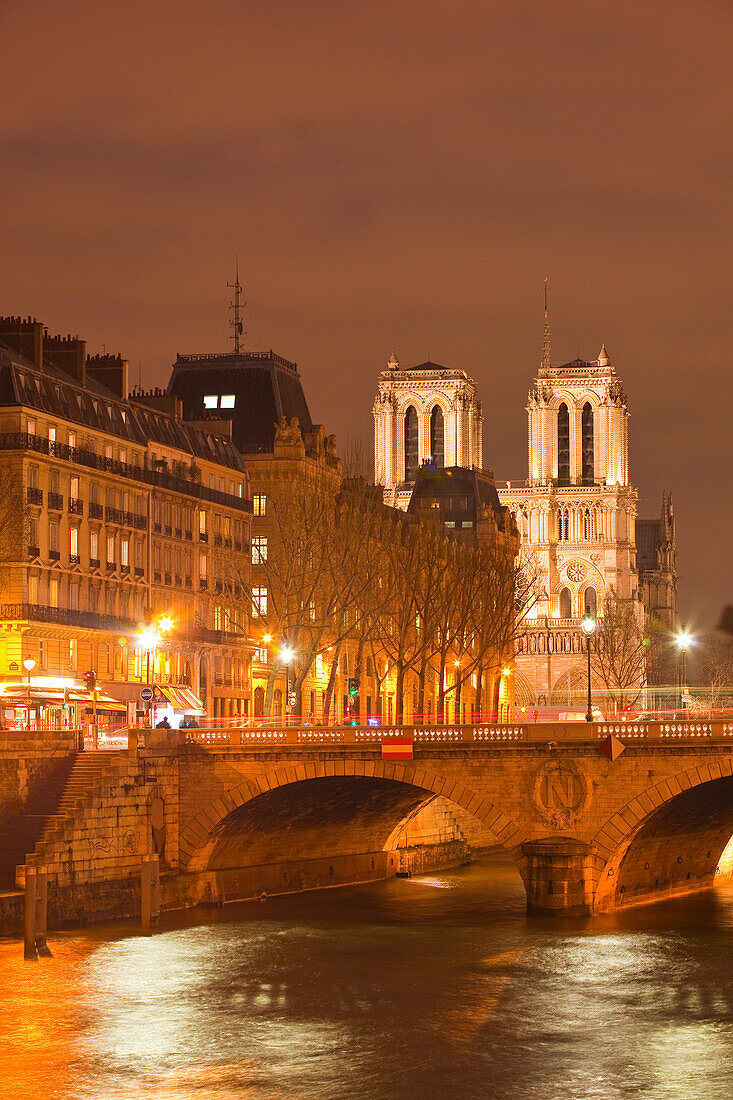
[(577, 570), (561, 793)]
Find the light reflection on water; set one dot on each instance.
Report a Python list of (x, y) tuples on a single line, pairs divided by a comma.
[(439, 987)]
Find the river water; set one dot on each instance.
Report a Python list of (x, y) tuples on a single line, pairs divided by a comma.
[(437, 986)]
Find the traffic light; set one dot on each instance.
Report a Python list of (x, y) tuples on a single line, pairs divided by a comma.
[(90, 679), (353, 686)]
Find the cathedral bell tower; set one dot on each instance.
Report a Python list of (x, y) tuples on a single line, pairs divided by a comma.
[(425, 414), (576, 515)]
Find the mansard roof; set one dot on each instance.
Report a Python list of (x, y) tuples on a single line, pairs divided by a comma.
[(460, 490), (52, 392), (265, 387)]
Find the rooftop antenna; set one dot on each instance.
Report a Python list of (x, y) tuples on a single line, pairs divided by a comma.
[(236, 322), (545, 365)]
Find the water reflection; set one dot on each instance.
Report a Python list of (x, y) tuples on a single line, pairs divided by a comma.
[(434, 987)]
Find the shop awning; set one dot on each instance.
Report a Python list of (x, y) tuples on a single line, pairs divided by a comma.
[(182, 698), (14, 695)]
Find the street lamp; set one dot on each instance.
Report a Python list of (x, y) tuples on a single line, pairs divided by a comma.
[(286, 655), (149, 640), (588, 625), (683, 644), (29, 664)]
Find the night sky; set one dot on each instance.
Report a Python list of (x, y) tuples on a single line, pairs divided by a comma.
[(395, 175)]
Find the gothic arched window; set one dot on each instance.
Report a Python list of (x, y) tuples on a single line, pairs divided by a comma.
[(566, 606), (587, 527), (590, 600), (587, 459), (410, 443), (563, 444), (437, 444), (563, 525)]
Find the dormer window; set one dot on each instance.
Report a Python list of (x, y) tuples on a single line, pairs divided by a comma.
[(211, 401), (227, 401)]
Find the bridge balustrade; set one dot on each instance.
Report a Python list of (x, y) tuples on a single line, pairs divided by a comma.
[(484, 734)]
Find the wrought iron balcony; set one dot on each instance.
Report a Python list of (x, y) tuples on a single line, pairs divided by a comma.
[(35, 496), (56, 501), (76, 506)]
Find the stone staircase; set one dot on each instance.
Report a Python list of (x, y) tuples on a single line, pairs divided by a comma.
[(86, 771), (49, 810)]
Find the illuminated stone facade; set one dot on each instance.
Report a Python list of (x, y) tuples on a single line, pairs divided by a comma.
[(576, 514), (425, 414), (120, 510)]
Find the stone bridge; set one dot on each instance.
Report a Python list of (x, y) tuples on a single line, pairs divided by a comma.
[(594, 816)]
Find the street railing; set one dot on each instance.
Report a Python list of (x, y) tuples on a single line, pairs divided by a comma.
[(454, 735)]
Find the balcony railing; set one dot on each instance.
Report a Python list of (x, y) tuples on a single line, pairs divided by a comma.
[(96, 511), (35, 496), (64, 616), (56, 501), (76, 506), (25, 441)]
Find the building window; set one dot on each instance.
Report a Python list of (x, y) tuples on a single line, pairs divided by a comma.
[(202, 521), (74, 542), (110, 549), (587, 461), (211, 401), (227, 401), (563, 524), (72, 653), (259, 504), (563, 443), (312, 610), (51, 433), (33, 590), (94, 493), (94, 545), (202, 566), (41, 654), (261, 656), (587, 527), (53, 537), (72, 439), (31, 426), (259, 549), (565, 604), (53, 481), (33, 477), (590, 601), (410, 443), (108, 450), (437, 435), (53, 592), (125, 552), (74, 596), (259, 600), (74, 488)]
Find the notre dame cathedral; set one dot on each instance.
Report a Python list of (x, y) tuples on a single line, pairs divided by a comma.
[(576, 512)]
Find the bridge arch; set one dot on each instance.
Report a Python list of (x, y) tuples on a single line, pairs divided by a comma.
[(666, 841), (402, 787)]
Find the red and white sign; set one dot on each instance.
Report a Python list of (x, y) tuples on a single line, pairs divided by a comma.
[(397, 748)]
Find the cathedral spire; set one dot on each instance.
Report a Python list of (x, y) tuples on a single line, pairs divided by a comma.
[(545, 364)]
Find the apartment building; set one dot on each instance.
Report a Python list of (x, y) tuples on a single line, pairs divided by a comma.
[(113, 510)]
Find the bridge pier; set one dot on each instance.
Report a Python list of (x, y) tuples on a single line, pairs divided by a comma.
[(557, 877)]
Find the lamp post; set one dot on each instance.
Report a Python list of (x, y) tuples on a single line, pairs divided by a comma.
[(286, 656), (683, 644), (29, 664), (149, 641), (588, 625)]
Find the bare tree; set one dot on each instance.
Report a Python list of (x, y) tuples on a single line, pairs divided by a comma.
[(619, 653)]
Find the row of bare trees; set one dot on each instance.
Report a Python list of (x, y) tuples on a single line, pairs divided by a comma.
[(343, 573)]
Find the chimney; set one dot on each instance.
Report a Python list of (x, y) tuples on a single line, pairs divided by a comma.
[(24, 337), (110, 371), (66, 353)]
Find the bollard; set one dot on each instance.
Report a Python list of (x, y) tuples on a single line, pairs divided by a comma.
[(42, 911), (29, 916)]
